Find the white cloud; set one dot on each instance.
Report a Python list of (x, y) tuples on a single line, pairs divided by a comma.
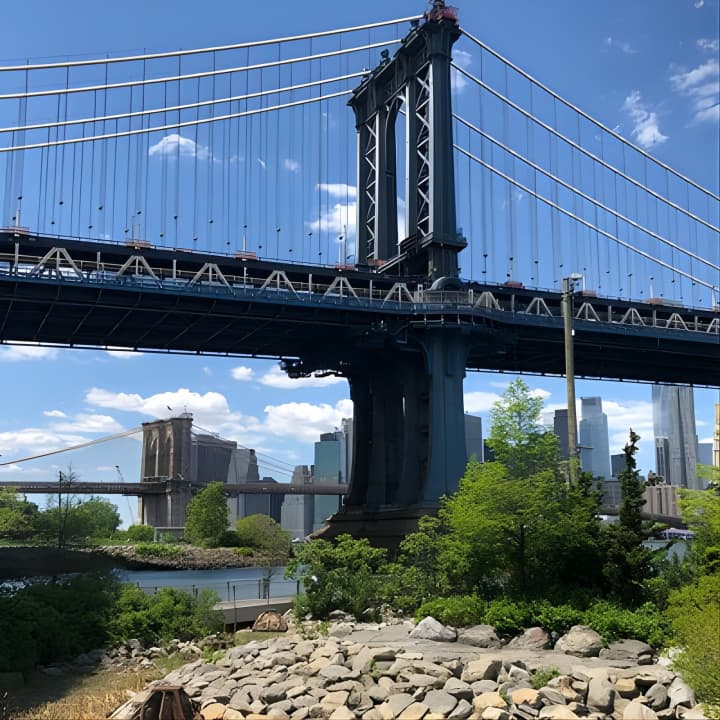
[(174, 145), (540, 393), (340, 218), (306, 421), (105, 468), (698, 4), (338, 190), (646, 130), (702, 86), (622, 45), (480, 401), (242, 373), (276, 378), (291, 165), (36, 440), (89, 423), (458, 82), (261, 163), (124, 354), (19, 353), (54, 413), (207, 371), (708, 44)]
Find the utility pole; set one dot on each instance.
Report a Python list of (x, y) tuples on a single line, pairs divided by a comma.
[(568, 332)]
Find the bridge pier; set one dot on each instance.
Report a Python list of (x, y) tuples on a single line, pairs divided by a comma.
[(408, 432)]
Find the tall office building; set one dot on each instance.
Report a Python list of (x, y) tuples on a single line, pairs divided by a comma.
[(331, 468), (473, 438), (296, 516), (593, 438), (617, 464), (674, 420), (560, 428)]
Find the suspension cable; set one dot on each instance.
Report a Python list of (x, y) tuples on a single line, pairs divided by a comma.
[(595, 122), (586, 223), (199, 51), (193, 76), (591, 155), (584, 196)]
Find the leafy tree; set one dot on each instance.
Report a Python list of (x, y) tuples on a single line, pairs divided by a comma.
[(140, 533), (628, 563), (18, 518), (68, 519), (701, 513), (264, 534), (207, 516), (345, 576)]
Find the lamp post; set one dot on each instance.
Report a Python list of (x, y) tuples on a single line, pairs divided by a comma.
[(567, 311)]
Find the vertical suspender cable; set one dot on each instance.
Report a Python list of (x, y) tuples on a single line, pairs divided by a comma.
[(277, 162), (195, 174), (210, 168), (176, 213)]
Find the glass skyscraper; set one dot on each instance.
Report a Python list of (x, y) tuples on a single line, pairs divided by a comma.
[(593, 438)]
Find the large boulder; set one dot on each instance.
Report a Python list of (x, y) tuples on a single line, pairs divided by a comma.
[(580, 640), (534, 638), (631, 651), (270, 621), (482, 636), (431, 629)]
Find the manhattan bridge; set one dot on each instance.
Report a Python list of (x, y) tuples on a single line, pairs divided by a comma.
[(227, 201)]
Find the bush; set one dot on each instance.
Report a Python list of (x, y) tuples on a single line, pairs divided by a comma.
[(229, 539), (458, 610), (613, 621), (508, 617), (244, 551), (264, 534), (140, 533), (156, 550), (554, 618)]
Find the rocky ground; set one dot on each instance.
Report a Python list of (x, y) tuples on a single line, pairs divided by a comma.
[(188, 557), (399, 671)]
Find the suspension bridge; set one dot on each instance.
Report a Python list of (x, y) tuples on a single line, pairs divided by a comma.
[(225, 201)]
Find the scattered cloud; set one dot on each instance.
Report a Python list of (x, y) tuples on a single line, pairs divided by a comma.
[(708, 44), (105, 468), (702, 85), (123, 354), (458, 82), (175, 145), (261, 163), (646, 130), (242, 373), (338, 190), (304, 420), (207, 371), (20, 353), (622, 45), (698, 4), (36, 440), (340, 218), (276, 378), (54, 413), (291, 165), (480, 401), (89, 423)]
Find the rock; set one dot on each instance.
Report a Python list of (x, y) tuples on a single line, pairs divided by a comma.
[(439, 701), (232, 714), (486, 700), (213, 711), (495, 713), (481, 686), (272, 694), (482, 669), (680, 694), (377, 693), (395, 704), (634, 651), (657, 696), (270, 621), (551, 696), (335, 673), (462, 710), (626, 687), (340, 616), (600, 695), (373, 714), (527, 696), (695, 713), (557, 712), (339, 697), (342, 713), (300, 714), (430, 629), (534, 638), (415, 711), (580, 640), (483, 636), (342, 629), (638, 711), (517, 674), (458, 689)]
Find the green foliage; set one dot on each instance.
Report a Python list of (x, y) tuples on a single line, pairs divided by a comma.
[(508, 617), (457, 610), (264, 534), (701, 513), (628, 563), (140, 533), (157, 550), (18, 518), (168, 614), (244, 551), (76, 521), (229, 539), (341, 576), (613, 622), (207, 516), (44, 622), (694, 612), (541, 677)]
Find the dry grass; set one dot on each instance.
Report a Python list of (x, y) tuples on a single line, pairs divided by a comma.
[(76, 696)]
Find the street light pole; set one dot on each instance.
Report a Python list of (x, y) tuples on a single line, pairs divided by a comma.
[(568, 332)]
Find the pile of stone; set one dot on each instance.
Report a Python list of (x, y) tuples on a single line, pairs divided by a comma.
[(336, 678)]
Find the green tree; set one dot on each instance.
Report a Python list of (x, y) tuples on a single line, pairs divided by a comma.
[(95, 518), (628, 563), (18, 518), (264, 534), (348, 575), (207, 516), (701, 513)]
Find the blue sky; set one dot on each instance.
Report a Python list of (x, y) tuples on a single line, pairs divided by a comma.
[(648, 68)]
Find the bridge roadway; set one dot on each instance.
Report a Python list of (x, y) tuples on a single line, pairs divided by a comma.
[(160, 487), (79, 293)]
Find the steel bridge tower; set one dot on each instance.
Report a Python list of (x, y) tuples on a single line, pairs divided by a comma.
[(406, 382)]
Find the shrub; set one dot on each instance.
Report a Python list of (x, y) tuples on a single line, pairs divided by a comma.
[(244, 551), (541, 677), (613, 621), (554, 618), (458, 610), (264, 534), (140, 533), (229, 539), (155, 550)]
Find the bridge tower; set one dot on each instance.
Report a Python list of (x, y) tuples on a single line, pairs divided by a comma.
[(415, 81), (406, 383)]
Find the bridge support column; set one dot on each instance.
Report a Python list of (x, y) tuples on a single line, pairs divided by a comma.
[(409, 437)]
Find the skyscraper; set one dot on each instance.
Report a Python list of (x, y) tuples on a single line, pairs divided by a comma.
[(674, 420), (331, 467), (594, 443), (560, 428)]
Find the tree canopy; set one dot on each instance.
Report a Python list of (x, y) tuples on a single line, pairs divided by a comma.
[(207, 516), (264, 534)]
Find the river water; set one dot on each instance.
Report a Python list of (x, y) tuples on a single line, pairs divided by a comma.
[(229, 583)]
